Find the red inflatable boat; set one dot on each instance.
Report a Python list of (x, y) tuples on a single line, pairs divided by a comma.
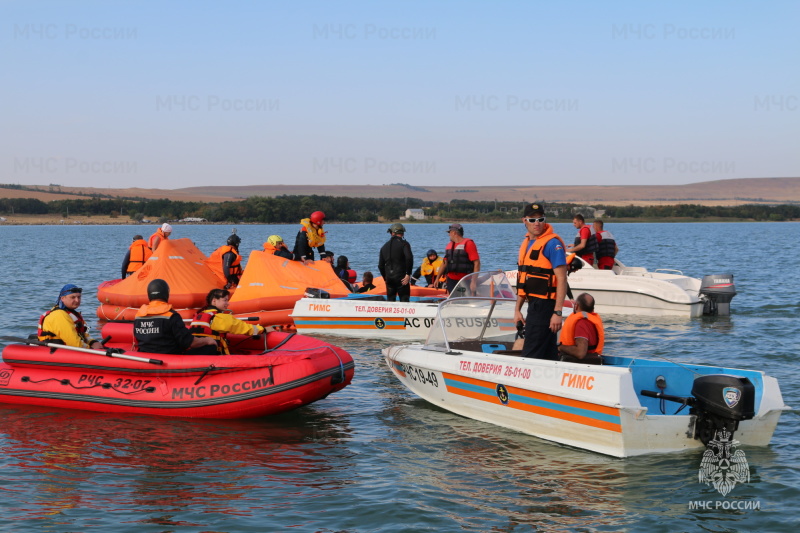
[(269, 375)]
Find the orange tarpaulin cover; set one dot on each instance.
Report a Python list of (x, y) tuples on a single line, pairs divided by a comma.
[(272, 282), (176, 261)]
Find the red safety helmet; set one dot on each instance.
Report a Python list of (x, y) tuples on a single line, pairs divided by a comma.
[(317, 217)]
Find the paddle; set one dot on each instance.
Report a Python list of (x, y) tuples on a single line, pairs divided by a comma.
[(109, 352)]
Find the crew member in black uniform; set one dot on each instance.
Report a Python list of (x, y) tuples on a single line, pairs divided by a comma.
[(160, 329)]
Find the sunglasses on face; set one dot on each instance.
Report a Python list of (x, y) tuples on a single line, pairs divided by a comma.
[(532, 220)]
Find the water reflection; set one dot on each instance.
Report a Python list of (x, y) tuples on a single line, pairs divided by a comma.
[(162, 469)]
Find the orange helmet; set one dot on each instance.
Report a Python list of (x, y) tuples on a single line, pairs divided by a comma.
[(317, 217)]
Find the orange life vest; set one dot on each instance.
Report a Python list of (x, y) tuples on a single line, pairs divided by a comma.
[(139, 253), (568, 330), (215, 260), (156, 238), (536, 276)]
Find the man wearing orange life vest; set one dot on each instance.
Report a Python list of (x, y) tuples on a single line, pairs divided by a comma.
[(542, 282), (137, 254), (227, 262), (582, 337), (161, 233), (214, 322), (276, 246)]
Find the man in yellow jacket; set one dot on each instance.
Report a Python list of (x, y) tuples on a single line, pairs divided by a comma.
[(213, 321), (63, 324)]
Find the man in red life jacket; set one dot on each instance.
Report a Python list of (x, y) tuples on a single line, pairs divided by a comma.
[(542, 283), (583, 336)]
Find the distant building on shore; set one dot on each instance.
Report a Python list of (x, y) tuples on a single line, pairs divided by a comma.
[(416, 214)]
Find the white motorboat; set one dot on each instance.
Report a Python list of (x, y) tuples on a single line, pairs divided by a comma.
[(368, 316), (625, 407), (637, 291)]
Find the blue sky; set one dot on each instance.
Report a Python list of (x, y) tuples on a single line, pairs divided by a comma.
[(179, 94)]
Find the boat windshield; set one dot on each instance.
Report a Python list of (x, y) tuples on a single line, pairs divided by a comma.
[(485, 284), (483, 313)]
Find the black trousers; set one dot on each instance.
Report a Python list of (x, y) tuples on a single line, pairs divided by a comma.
[(396, 289), (540, 342)]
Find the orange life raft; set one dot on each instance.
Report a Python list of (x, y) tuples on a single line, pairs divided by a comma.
[(269, 375)]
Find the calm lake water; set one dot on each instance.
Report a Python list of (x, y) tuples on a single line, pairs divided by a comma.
[(375, 458)]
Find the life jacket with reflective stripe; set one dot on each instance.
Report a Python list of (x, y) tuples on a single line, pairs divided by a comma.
[(316, 236), (458, 259), (427, 268), (139, 254), (536, 276), (605, 244), (591, 242), (568, 330), (77, 318), (201, 327)]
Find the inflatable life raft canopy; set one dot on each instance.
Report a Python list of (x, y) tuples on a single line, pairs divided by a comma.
[(178, 262)]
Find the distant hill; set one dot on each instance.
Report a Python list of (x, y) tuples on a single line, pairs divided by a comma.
[(719, 192)]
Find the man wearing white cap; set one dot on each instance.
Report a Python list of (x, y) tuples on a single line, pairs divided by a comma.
[(161, 233)]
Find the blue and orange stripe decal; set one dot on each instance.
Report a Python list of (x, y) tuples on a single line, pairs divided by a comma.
[(588, 414), (336, 323), (398, 369)]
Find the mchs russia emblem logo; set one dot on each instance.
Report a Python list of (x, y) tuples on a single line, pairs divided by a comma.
[(721, 466)]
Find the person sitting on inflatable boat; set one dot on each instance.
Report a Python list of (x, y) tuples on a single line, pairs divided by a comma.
[(63, 324), (214, 321), (276, 246), (160, 329)]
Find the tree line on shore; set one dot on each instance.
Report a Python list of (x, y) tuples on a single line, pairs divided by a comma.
[(290, 209)]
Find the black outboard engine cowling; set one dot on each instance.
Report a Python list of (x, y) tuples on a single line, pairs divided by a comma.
[(721, 401), (717, 291), (316, 293)]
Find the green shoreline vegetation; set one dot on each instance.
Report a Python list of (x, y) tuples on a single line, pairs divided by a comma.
[(290, 209)]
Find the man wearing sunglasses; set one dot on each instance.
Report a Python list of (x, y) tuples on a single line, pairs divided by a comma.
[(542, 282)]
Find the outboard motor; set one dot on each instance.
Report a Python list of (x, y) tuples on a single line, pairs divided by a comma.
[(717, 291), (316, 293), (721, 401)]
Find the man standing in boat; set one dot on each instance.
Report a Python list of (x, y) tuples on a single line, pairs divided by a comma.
[(396, 263), (460, 258), (585, 242), (227, 262), (161, 233), (160, 329), (137, 254), (607, 248), (583, 335), (63, 324), (310, 236), (542, 282)]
